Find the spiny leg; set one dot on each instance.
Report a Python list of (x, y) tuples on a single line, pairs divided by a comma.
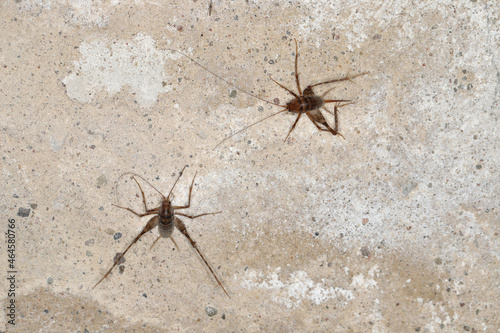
[(147, 211), (291, 92), (142, 193), (199, 215), (153, 222), (189, 198), (336, 129), (152, 211), (338, 107), (296, 72), (347, 78), (293, 126), (189, 204), (182, 228), (320, 119)]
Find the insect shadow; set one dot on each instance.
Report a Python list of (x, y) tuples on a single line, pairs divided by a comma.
[(166, 220), (304, 102)]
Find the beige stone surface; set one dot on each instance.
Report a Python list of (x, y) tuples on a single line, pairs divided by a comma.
[(394, 229)]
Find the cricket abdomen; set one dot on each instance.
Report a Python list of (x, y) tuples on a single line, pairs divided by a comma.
[(305, 103)]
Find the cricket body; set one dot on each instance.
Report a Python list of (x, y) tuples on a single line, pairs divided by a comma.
[(166, 220), (305, 102)]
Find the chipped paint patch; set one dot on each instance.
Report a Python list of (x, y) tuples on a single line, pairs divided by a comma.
[(298, 288), (137, 64)]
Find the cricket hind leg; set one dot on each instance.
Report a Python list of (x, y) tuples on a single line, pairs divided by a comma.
[(182, 228), (317, 117), (338, 106), (335, 114), (152, 223)]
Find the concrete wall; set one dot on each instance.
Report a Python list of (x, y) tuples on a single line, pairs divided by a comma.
[(394, 229)]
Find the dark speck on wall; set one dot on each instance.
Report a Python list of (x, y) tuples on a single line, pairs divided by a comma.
[(23, 212)]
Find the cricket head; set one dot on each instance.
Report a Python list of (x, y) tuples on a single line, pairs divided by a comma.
[(166, 209)]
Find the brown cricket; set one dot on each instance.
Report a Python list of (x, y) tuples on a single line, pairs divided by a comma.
[(165, 218), (305, 102)]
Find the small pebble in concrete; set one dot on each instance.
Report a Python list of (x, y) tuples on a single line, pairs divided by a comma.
[(50, 280), (118, 235), (89, 242), (210, 311), (23, 212), (365, 251)]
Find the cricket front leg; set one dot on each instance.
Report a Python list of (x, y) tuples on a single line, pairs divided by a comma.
[(189, 198), (293, 126)]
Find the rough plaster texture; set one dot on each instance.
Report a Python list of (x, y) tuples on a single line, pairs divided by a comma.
[(394, 229)]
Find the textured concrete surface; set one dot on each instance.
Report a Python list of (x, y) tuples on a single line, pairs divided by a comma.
[(394, 229)]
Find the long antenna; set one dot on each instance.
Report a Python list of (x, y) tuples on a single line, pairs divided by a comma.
[(241, 130), (180, 174), (135, 175), (221, 78), (147, 182)]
